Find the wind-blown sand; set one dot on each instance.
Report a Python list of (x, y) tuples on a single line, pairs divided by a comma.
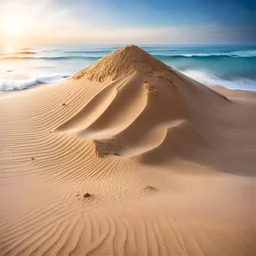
[(169, 164)]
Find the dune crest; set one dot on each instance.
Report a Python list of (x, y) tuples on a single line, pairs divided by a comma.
[(127, 157), (122, 62)]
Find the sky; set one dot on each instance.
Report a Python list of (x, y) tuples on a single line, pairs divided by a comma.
[(40, 22)]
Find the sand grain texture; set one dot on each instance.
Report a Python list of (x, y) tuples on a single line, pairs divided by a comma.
[(169, 164)]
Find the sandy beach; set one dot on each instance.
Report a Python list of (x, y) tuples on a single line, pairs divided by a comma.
[(128, 157)]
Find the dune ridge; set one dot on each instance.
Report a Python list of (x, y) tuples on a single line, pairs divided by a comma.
[(122, 62), (169, 164)]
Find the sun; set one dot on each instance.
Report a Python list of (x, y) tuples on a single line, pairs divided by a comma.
[(13, 27), (12, 30)]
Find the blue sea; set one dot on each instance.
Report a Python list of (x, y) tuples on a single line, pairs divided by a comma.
[(233, 67)]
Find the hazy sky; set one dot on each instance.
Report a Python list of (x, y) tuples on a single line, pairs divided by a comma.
[(28, 22)]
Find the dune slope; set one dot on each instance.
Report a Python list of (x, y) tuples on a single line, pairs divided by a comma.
[(169, 164)]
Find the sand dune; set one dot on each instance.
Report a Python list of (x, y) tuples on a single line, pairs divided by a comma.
[(169, 164)]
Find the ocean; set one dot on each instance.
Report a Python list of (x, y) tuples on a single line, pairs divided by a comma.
[(233, 67)]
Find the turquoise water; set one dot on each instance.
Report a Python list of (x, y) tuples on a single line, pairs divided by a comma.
[(231, 66)]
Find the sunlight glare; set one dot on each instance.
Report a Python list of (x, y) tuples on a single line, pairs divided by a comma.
[(13, 26)]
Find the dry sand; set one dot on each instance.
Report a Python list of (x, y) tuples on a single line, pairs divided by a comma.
[(169, 164)]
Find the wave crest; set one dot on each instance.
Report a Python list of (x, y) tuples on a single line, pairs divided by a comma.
[(90, 55), (211, 79), (14, 85)]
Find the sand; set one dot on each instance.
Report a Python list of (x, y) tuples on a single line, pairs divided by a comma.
[(169, 164)]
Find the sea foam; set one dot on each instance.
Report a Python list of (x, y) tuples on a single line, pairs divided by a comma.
[(13, 85), (211, 79)]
